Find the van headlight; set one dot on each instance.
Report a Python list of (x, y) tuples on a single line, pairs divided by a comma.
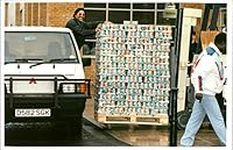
[(73, 88)]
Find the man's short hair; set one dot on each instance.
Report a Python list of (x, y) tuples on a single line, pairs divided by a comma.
[(77, 10), (220, 38)]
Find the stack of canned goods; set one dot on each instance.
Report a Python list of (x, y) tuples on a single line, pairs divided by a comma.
[(132, 69)]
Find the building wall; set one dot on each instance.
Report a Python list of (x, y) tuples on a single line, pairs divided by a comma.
[(197, 28), (6, 13), (18, 18), (192, 5), (57, 14), (29, 13), (44, 14), (35, 16), (60, 13), (199, 21)]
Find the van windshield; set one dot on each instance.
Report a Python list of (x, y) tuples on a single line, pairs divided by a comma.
[(45, 46)]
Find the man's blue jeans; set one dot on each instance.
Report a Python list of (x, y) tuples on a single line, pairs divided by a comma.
[(209, 106)]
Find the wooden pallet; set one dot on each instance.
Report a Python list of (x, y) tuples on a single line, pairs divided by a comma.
[(161, 119)]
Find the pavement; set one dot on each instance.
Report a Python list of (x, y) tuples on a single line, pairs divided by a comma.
[(46, 134), (148, 135), (142, 135)]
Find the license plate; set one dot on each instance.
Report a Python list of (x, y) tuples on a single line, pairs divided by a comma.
[(45, 112)]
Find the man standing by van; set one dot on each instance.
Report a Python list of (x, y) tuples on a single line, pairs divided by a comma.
[(82, 30), (208, 79)]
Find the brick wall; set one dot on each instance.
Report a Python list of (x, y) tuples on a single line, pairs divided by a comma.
[(60, 13), (192, 5), (45, 14), (18, 17), (29, 14), (35, 15), (57, 14)]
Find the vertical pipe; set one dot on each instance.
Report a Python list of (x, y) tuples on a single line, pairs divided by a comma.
[(131, 12), (214, 19), (206, 16), (11, 92), (175, 55), (107, 12), (155, 14)]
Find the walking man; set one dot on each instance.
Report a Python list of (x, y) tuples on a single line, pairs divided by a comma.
[(208, 79)]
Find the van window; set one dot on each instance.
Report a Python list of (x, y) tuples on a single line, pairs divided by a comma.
[(39, 45)]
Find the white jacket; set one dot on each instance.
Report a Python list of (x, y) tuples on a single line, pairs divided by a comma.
[(208, 72)]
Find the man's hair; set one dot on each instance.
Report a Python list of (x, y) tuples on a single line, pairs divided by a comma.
[(77, 10), (220, 38)]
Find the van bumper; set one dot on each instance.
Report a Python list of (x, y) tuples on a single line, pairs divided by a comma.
[(61, 106)]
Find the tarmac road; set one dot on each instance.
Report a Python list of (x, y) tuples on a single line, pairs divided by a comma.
[(44, 134)]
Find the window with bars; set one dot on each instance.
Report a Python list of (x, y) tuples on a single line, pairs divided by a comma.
[(144, 13)]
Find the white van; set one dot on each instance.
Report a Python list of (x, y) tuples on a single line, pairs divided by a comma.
[(44, 76)]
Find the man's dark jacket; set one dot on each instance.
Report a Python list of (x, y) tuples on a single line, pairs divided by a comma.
[(82, 30)]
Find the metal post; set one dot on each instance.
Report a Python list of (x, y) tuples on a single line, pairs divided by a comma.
[(175, 55), (214, 19)]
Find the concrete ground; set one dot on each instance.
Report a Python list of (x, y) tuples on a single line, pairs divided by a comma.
[(148, 135), (143, 135)]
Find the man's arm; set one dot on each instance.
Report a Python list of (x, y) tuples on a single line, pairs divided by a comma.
[(201, 72), (93, 24), (79, 28)]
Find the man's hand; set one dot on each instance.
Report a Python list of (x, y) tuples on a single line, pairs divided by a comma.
[(98, 28), (199, 96), (108, 22)]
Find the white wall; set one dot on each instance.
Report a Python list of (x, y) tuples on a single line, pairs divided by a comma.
[(11, 14)]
